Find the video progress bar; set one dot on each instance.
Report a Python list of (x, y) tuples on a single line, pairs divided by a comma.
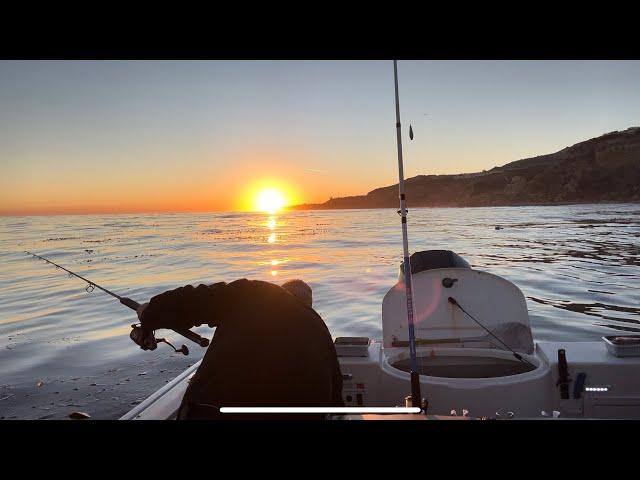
[(320, 409)]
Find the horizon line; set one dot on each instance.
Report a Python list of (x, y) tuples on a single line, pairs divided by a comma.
[(142, 212)]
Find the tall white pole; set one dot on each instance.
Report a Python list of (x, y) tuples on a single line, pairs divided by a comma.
[(416, 397)]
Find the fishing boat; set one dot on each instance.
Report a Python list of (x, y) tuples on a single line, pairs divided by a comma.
[(476, 356)]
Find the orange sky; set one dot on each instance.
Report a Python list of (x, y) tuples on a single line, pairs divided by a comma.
[(94, 188), (146, 136)]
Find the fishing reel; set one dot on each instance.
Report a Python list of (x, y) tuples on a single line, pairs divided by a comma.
[(148, 341)]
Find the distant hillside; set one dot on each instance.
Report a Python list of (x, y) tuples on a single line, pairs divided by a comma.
[(602, 169)]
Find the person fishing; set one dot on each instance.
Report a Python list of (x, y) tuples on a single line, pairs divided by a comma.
[(270, 347)]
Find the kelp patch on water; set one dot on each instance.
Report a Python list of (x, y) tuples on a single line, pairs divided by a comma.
[(597, 309)]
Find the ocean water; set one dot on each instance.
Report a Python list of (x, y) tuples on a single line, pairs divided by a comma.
[(63, 349)]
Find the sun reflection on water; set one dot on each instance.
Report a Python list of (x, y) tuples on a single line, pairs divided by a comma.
[(272, 263)]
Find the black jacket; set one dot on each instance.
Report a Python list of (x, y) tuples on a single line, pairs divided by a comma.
[(269, 349)]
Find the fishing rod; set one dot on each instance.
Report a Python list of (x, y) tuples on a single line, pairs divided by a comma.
[(133, 305), (416, 397)]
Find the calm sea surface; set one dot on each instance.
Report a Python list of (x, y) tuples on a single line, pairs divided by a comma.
[(63, 349)]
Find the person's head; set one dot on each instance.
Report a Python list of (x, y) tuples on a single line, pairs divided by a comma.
[(300, 290)]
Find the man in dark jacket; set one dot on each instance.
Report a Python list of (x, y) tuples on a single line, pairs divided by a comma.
[(270, 348)]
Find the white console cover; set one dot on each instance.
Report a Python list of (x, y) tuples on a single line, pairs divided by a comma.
[(495, 302)]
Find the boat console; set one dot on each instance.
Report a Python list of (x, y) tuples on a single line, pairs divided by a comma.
[(464, 363)]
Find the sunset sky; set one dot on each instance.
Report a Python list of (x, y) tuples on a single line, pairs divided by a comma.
[(103, 136)]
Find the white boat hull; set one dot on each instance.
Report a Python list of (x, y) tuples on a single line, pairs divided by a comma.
[(372, 381), (465, 368)]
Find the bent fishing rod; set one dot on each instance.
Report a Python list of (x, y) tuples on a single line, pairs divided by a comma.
[(133, 305), (416, 397)]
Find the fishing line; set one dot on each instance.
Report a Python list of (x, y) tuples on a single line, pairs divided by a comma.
[(453, 301), (91, 285)]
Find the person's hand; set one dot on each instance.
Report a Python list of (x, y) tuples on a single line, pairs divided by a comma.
[(144, 338), (141, 310), (140, 335)]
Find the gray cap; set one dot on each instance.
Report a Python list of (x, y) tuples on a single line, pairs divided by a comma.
[(300, 290)]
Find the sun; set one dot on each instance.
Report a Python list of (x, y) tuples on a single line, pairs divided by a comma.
[(270, 200)]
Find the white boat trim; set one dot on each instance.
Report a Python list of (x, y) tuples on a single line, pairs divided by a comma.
[(149, 401)]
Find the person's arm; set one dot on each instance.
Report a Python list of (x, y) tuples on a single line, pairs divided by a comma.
[(185, 307)]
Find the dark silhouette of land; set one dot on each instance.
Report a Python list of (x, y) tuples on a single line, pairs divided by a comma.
[(602, 169)]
